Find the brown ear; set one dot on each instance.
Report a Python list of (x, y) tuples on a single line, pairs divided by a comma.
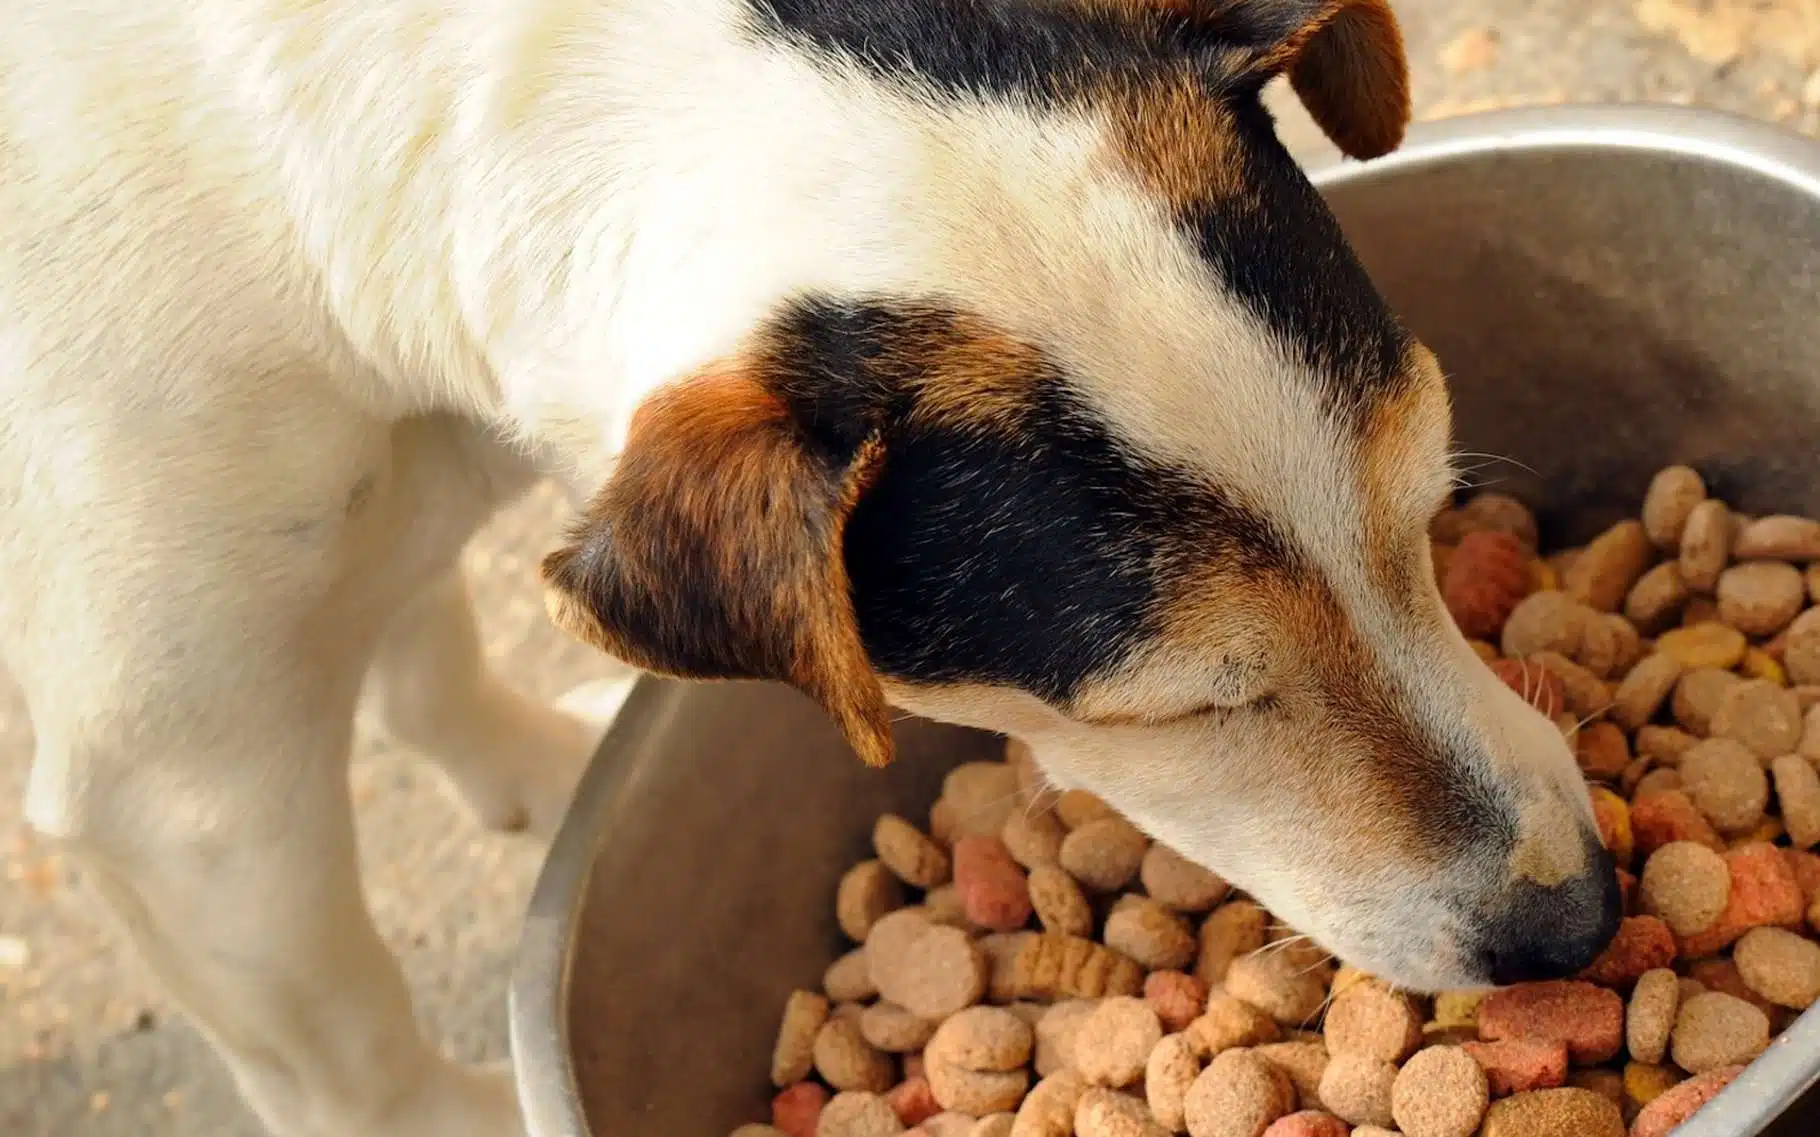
[(1344, 58), (714, 552)]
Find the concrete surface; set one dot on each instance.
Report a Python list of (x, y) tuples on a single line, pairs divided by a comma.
[(90, 1048)]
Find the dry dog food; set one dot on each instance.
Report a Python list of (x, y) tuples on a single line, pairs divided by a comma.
[(1017, 971)]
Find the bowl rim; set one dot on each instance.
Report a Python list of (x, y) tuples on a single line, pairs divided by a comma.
[(537, 996)]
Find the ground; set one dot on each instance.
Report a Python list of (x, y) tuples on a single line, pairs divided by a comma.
[(88, 1045)]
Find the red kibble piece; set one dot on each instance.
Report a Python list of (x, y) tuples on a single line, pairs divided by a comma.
[(995, 894), (1764, 893), (1536, 683), (1487, 577), (1806, 867), (1643, 943), (797, 1110), (1308, 1123), (1517, 1066), (1177, 998), (1678, 1103), (1670, 816), (1589, 1019), (913, 1101)]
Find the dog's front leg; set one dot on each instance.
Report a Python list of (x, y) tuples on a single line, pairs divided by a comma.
[(515, 760)]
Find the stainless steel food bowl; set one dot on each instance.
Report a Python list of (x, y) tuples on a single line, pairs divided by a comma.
[(1609, 288)]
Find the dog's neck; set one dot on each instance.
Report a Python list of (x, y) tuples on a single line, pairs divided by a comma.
[(538, 214)]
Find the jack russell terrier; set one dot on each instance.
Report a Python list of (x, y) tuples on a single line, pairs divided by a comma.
[(989, 359)]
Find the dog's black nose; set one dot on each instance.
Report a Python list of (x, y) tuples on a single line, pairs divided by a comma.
[(1554, 932)]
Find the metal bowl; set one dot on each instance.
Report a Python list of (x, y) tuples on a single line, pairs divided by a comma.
[(1610, 289)]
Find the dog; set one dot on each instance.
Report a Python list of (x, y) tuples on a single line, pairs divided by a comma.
[(988, 359)]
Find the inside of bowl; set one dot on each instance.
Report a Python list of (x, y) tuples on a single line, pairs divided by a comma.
[(1601, 311)]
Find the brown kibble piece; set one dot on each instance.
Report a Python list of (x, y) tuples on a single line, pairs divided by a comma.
[(909, 853), (1641, 693), (846, 1061), (1237, 1095), (1663, 1115), (976, 1092), (1179, 883), (1229, 1023), (894, 1030), (1603, 573), (1642, 943), (1704, 643), (793, 1056), (1544, 621), (982, 795), (1048, 1111), (1440, 1092), (1060, 904), (1076, 808), (849, 978), (1764, 892), (982, 1039), (1706, 543), (930, 970), (1492, 512), (1716, 1029), (1051, 966), (1169, 1074), (1104, 855), (1566, 1112), (1234, 929), (1280, 984), (1370, 1019), (866, 893), (1780, 966), (1358, 1089), (1664, 745), (1798, 798), (1516, 1065), (1151, 934), (1115, 1041), (1539, 687), (1698, 694), (1587, 694), (1108, 1113), (1033, 837), (858, 1114), (1801, 653), (1673, 493), (1761, 715), (1759, 598), (1055, 1035), (1651, 1014), (1778, 538), (1687, 884), (1726, 781), (1657, 597), (1303, 1062)]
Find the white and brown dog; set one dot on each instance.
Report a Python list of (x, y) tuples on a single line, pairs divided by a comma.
[(988, 358)]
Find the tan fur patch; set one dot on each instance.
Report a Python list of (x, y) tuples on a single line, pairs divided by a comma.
[(972, 374), (1177, 140), (1403, 442), (715, 552)]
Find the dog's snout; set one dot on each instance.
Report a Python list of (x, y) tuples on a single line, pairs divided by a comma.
[(1552, 932)]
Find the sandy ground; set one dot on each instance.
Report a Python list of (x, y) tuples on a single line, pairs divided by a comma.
[(89, 1047)]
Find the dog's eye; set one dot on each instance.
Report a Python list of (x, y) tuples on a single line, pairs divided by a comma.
[(1263, 704)]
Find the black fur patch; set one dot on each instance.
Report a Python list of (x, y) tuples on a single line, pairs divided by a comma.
[(1032, 557)]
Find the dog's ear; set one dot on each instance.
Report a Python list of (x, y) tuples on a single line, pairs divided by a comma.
[(1344, 58), (715, 550)]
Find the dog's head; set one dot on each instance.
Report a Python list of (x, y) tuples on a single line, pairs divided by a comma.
[(1122, 454)]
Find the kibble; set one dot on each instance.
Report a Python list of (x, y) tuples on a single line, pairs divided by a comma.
[(1714, 1030), (1238, 1095), (1677, 659), (1440, 1092)]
